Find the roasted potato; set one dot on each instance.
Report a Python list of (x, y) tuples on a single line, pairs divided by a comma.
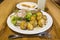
[(41, 22), (39, 17), (34, 23), (39, 14), (33, 18), (23, 25), (30, 26)]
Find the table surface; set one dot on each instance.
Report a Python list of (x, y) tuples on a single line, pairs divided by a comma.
[(6, 8)]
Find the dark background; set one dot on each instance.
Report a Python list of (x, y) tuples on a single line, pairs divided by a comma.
[(1, 1)]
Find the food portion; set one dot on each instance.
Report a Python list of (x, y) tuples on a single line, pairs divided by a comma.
[(23, 25), (28, 20), (27, 5)]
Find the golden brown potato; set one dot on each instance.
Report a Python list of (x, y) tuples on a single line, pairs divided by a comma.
[(39, 14), (41, 22), (36, 20), (33, 18), (30, 26), (23, 25), (34, 23), (39, 17)]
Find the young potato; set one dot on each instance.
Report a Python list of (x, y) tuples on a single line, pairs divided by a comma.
[(34, 23), (39, 17), (30, 26), (23, 25), (39, 14), (41, 22), (33, 18)]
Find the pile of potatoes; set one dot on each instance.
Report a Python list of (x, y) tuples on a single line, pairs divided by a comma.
[(37, 19)]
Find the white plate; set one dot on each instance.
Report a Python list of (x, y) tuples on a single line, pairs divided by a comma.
[(19, 6), (36, 30)]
